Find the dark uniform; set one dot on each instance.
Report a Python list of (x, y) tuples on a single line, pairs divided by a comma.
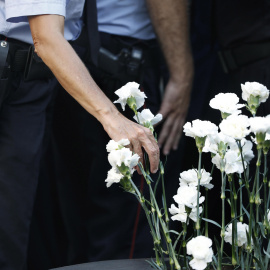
[(91, 222)]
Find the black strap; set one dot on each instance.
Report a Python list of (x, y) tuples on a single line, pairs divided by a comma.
[(4, 48), (92, 28)]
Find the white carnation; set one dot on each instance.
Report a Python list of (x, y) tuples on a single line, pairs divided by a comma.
[(259, 124), (114, 176), (199, 128), (255, 89), (230, 164), (201, 251), (113, 145), (123, 156), (190, 178), (226, 103), (146, 117), (130, 90), (179, 213), (247, 152), (235, 126), (212, 142), (187, 195), (242, 228)]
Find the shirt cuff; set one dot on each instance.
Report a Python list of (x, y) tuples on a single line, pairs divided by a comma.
[(18, 12)]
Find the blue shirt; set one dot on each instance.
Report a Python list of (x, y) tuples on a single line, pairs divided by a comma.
[(13, 16), (125, 17)]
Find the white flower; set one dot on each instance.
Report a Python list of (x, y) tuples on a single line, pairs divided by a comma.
[(125, 156), (146, 117), (114, 176), (180, 213), (187, 195), (259, 124), (230, 164), (190, 178), (212, 142), (235, 126), (113, 145), (247, 152), (268, 215), (201, 251), (226, 103), (130, 90), (242, 228), (199, 128), (256, 90)]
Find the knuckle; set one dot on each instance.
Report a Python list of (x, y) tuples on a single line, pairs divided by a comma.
[(140, 132)]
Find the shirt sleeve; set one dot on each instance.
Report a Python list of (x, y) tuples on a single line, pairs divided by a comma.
[(18, 10)]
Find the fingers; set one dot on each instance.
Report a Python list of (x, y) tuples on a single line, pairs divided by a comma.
[(148, 142), (170, 134), (173, 138), (136, 147), (165, 133)]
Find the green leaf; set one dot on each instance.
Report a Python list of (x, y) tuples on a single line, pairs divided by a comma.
[(258, 262), (261, 229), (266, 253), (154, 265), (175, 232), (211, 221), (245, 210)]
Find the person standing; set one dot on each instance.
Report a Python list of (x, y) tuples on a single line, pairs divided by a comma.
[(25, 111), (102, 223)]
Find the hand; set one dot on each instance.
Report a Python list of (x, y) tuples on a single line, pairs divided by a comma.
[(174, 109), (119, 127)]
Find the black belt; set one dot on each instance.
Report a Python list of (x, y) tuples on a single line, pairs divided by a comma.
[(232, 59), (23, 59)]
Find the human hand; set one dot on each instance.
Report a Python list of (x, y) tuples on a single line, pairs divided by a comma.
[(174, 109), (118, 127)]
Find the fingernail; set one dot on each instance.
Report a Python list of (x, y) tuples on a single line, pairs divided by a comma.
[(166, 152)]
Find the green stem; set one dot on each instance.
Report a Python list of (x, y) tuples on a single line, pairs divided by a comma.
[(164, 195), (164, 229), (222, 234), (198, 193), (206, 212), (233, 223), (241, 201), (243, 164), (184, 243), (257, 198)]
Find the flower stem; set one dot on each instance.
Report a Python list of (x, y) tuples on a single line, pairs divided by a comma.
[(222, 234), (198, 193), (206, 212)]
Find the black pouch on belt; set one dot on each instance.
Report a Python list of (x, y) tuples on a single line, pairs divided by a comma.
[(35, 68)]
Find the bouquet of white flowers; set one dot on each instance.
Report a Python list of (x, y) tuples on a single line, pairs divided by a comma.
[(230, 146)]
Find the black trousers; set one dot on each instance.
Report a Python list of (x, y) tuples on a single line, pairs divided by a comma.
[(24, 121), (77, 218)]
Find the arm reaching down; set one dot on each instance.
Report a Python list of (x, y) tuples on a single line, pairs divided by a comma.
[(170, 20), (50, 44)]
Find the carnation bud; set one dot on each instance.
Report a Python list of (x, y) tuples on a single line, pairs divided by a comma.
[(253, 104)]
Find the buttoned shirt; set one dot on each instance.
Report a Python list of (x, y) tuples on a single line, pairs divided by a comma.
[(125, 18), (14, 23)]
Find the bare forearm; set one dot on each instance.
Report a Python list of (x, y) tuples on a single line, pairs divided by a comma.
[(171, 23), (71, 73)]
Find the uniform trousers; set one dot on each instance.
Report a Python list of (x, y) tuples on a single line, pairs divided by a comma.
[(25, 117), (98, 223)]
